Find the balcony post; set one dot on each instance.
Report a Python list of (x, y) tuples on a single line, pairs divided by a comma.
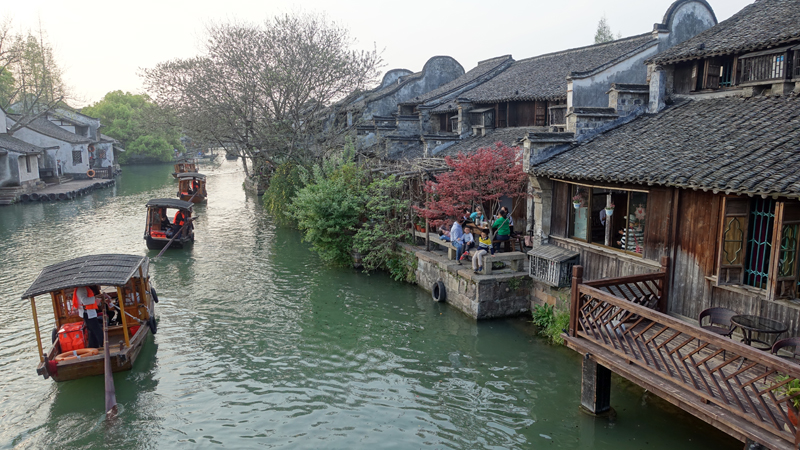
[(595, 387), (577, 279)]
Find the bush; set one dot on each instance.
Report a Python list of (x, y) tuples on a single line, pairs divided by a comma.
[(551, 321), (283, 186)]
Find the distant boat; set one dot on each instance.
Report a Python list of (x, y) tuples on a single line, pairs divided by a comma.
[(231, 156), (159, 230), (116, 276), (185, 165), (192, 187)]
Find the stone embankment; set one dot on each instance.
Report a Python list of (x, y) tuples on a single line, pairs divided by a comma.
[(56, 192)]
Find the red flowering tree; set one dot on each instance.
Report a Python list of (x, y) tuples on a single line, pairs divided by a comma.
[(481, 178)]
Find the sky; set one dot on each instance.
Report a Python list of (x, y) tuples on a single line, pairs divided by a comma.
[(102, 46)]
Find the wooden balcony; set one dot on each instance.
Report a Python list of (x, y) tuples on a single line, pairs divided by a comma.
[(733, 387)]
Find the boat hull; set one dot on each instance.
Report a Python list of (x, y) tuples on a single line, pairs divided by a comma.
[(94, 365), (195, 199), (158, 244)]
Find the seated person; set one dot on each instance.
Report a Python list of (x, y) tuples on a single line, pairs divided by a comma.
[(178, 222), (484, 247), (469, 242), (444, 232), (510, 220), (477, 216)]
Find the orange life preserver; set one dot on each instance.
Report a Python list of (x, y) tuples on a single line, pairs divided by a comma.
[(90, 173), (89, 293), (75, 354), (179, 219), (91, 148)]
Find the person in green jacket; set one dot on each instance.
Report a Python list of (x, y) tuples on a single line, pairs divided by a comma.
[(502, 233)]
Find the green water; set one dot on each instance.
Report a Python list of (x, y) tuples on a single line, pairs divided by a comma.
[(260, 346)]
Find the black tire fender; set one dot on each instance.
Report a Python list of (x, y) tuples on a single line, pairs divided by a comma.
[(55, 334), (438, 292), (153, 294), (151, 322)]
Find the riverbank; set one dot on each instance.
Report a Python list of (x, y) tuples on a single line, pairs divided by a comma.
[(53, 192)]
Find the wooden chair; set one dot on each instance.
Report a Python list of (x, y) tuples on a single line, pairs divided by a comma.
[(719, 321), (793, 342)]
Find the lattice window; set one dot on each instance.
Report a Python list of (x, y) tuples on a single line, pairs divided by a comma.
[(77, 157), (764, 67), (759, 242), (787, 259)]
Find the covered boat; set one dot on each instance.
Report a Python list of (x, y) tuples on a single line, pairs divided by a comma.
[(184, 166), (168, 220), (121, 280), (192, 187)]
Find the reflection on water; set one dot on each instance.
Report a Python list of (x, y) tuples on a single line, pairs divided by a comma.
[(259, 345)]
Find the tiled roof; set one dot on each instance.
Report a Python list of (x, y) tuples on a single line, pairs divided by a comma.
[(545, 77), (478, 71), (760, 25), (508, 136), (13, 144), (48, 128), (737, 145)]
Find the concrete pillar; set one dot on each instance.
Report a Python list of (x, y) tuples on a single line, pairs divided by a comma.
[(658, 86), (595, 387)]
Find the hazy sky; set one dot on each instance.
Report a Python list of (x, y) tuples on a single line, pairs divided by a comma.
[(101, 45)]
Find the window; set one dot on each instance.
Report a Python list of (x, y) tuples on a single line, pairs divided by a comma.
[(610, 217), (77, 157), (760, 245), (28, 163), (764, 66)]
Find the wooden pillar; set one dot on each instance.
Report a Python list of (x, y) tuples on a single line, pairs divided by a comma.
[(577, 279), (121, 301), (664, 297), (36, 327), (595, 387), (142, 295), (609, 221)]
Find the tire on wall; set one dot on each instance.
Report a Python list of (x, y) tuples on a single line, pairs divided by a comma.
[(438, 292)]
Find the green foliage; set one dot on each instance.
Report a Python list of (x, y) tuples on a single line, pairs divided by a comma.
[(327, 210), (143, 129), (551, 322), (604, 33), (790, 389), (148, 147), (403, 267), (283, 186), (377, 238)]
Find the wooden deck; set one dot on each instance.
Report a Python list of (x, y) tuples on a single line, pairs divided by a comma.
[(731, 386)]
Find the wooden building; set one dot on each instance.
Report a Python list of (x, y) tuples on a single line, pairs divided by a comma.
[(705, 195)]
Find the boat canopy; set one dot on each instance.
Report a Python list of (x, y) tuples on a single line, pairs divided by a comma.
[(105, 270), (169, 203), (192, 175)]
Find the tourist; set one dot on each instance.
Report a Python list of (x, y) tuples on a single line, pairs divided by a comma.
[(469, 242), (503, 233), (477, 216), (457, 237), (444, 232), (510, 220), (484, 247), (177, 222)]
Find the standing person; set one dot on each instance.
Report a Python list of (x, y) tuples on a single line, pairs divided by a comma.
[(484, 247), (503, 231), (178, 221), (457, 236), (84, 299)]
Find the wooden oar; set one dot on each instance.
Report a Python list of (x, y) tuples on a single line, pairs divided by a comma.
[(188, 221), (111, 394)]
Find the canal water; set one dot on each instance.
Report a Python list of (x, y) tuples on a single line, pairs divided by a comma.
[(259, 345)]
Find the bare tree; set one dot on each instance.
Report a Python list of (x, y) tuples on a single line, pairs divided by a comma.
[(257, 88), (30, 80)]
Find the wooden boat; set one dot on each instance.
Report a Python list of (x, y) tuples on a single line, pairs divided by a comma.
[(118, 277), (183, 166), (159, 227), (192, 187)]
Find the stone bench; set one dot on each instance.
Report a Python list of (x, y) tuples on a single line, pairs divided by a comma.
[(515, 259)]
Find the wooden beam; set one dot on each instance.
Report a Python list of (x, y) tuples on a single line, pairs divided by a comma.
[(595, 387), (121, 301), (36, 327)]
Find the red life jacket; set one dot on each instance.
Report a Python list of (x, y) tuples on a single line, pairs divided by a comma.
[(89, 293), (179, 219)]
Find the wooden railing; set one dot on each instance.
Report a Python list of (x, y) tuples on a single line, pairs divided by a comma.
[(747, 383)]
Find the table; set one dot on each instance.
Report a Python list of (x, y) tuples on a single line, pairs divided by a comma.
[(755, 324)]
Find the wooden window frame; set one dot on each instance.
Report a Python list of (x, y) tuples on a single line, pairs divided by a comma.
[(571, 217)]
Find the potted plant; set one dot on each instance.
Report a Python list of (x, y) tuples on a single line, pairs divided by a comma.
[(419, 224), (610, 210), (792, 392), (577, 201)]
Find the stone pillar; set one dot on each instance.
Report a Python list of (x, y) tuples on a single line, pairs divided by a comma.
[(540, 208), (464, 125), (595, 387), (425, 126)]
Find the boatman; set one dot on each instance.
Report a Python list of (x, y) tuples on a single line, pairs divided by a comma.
[(177, 222), (86, 302)]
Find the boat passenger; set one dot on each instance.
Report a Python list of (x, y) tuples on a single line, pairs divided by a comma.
[(178, 222)]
